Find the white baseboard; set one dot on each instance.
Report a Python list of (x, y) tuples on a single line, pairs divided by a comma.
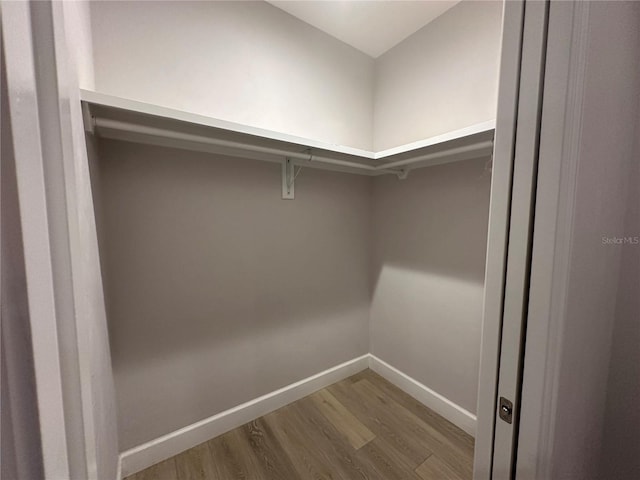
[(436, 402), (150, 453)]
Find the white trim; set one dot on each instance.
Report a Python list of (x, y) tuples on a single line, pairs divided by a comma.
[(119, 468), (150, 453), (519, 240), (560, 141), (431, 399), (496, 260), (34, 129)]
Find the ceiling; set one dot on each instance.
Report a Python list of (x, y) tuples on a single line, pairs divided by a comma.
[(372, 27)]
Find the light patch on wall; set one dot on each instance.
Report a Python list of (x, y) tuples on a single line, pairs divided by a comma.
[(428, 326)]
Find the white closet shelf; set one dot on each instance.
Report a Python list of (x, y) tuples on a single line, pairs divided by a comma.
[(124, 119)]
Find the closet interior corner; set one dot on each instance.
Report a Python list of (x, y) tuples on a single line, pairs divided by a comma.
[(292, 234)]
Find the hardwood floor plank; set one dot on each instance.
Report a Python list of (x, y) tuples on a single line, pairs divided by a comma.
[(448, 451), (165, 470), (387, 461), (268, 451), (325, 436), (308, 458), (434, 468), (445, 427), (341, 418), (196, 464), (382, 423), (233, 458)]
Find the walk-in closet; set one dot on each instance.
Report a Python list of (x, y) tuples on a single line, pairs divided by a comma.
[(278, 211), (285, 213), (295, 240)]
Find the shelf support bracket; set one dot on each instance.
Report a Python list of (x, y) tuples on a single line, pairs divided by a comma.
[(88, 120), (403, 174), (288, 180)]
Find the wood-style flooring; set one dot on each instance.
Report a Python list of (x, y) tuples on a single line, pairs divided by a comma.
[(360, 428)]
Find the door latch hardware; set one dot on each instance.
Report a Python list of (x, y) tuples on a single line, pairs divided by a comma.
[(506, 410)]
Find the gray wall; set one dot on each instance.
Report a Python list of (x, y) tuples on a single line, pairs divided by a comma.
[(599, 343), (430, 238), (442, 78), (219, 291), (620, 459), (246, 62)]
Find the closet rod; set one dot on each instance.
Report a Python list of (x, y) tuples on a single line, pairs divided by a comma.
[(298, 158), (399, 168)]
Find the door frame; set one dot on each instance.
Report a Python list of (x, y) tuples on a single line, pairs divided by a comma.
[(553, 234), (29, 126), (541, 347), (498, 234), (66, 312)]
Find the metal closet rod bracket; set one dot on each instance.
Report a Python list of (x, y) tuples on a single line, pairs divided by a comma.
[(289, 175), (288, 179)]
